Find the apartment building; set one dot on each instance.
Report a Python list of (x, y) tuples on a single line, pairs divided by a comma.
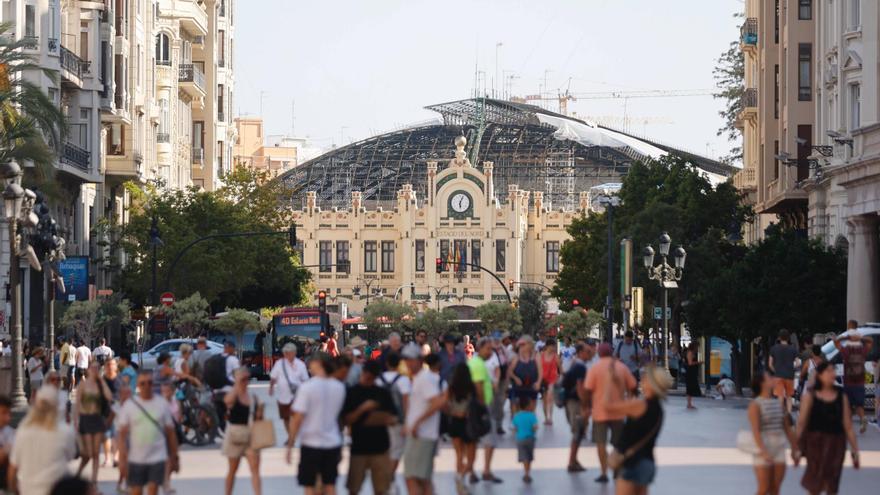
[(252, 149), (777, 40), (145, 85), (844, 186)]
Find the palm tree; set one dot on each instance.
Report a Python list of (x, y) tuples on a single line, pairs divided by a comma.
[(32, 126)]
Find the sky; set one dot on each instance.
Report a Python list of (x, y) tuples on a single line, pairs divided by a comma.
[(337, 71)]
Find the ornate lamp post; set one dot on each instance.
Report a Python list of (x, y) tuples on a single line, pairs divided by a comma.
[(667, 276), (13, 196)]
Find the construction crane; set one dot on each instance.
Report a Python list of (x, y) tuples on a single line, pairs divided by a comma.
[(564, 97)]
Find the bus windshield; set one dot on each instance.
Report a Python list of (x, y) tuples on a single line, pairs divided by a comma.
[(297, 327)]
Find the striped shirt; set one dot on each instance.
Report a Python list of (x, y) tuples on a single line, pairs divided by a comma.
[(772, 415)]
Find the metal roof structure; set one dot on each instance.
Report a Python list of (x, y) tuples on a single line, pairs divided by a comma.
[(531, 147)]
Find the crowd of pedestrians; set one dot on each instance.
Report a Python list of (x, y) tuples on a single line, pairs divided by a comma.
[(398, 401)]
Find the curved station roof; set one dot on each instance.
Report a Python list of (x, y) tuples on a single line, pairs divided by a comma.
[(536, 149)]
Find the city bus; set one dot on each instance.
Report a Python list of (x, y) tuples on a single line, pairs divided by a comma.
[(305, 327), (355, 327)]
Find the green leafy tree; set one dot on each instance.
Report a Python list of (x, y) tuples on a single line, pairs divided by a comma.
[(90, 320), (189, 316), (578, 323), (384, 316), (499, 316), (236, 322), (532, 309), (249, 272), (729, 76), (434, 323), (665, 195)]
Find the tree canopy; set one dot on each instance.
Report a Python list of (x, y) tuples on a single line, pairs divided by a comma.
[(532, 309), (434, 323), (578, 323), (665, 195), (384, 316), (189, 315), (248, 272), (729, 77), (93, 319), (499, 316)]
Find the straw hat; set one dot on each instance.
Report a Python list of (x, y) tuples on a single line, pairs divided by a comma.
[(659, 379)]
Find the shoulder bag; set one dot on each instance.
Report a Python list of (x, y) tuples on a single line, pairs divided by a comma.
[(262, 430), (617, 458), (287, 378), (173, 460)]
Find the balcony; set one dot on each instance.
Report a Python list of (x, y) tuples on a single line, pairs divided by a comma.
[(745, 180), (71, 67), (53, 45), (192, 80), (220, 116), (748, 33), (748, 104), (30, 42), (193, 15), (198, 157), (75, 156), (163, 138)]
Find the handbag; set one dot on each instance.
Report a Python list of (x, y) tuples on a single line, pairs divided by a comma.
[(617, 458), (745, 442), (262, 431), (477, 423)]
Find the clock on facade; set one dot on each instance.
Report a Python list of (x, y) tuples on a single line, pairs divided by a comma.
[(460, 205)]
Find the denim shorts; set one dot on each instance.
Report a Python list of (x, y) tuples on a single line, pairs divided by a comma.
[(641, 472)]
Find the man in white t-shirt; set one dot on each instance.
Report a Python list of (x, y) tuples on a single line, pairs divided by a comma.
[(315, 420), (83, 357), (423, 427), (288, 374), (399, 386), (103, 352), (566, 354), (147, 438)]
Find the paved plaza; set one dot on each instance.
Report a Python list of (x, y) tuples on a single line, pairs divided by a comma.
[(695, 453)]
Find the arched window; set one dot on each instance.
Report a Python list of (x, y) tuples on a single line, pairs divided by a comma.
[(163, 49)]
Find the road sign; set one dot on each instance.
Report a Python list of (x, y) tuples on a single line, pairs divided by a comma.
[(658, 313), (167, 299)]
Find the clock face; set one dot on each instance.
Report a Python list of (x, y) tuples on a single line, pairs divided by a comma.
[(460, 202)]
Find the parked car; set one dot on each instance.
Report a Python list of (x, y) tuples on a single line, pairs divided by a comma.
[(872, 331), (147, 359)]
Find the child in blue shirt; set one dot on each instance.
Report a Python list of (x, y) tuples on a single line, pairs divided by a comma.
[(525, 423)]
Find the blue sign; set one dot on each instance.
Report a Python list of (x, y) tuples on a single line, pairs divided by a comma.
[(75, 272)]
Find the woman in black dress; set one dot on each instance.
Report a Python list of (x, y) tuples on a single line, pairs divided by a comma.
[(459, 394), (692, 375)]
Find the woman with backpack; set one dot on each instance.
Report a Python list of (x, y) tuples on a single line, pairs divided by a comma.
[(549, 374), (459, 395), (90, 414)]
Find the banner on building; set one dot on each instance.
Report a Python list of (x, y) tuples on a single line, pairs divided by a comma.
[(75, 272)]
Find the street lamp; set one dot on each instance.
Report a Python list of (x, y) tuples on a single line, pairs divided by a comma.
[(610, 202), (667, 276), (13, 196)]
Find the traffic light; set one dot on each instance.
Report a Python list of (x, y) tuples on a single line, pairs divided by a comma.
[(322, 301), (291, 234), (510, 284), (575, 303), (439, 265)]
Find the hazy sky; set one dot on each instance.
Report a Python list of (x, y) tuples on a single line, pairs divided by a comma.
[(359, 67)]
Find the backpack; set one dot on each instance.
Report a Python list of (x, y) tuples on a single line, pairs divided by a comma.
[(569, 382), (477, 423), (215, 371), (396, 396), (620, 344)]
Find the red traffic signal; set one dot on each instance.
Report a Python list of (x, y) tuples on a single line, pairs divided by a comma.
[(322, 301), (510, 284), (575, 303), (439, 265)]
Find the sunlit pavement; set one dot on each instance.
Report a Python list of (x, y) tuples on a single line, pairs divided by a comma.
[(696, 454)]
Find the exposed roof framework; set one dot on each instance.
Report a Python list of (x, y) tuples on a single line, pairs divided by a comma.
[(527, 144)]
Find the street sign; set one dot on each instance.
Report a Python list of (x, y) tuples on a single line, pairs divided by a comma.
[(658, 313), (167, 299)]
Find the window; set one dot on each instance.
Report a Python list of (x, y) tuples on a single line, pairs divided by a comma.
[(163, 49), (220, 108), (805, 10), (370, 256), (805, 71), (776, 91), (460, 252), (855, 14), (84, 118), (855, 106), (776, 23), (342, 259), (221, 48), (325, 256), (500, 255), (30, 21), (387, 256), (164, 121), (552, 256), (420, 255), (475, 254), (775, 160), (116, 140), (805, 136)]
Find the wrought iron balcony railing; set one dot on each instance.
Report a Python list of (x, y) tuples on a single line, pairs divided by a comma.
[(31, 42), (76, 156), (191, 73), (163, 137), (749, 98), (748, 33), (71, 62)]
